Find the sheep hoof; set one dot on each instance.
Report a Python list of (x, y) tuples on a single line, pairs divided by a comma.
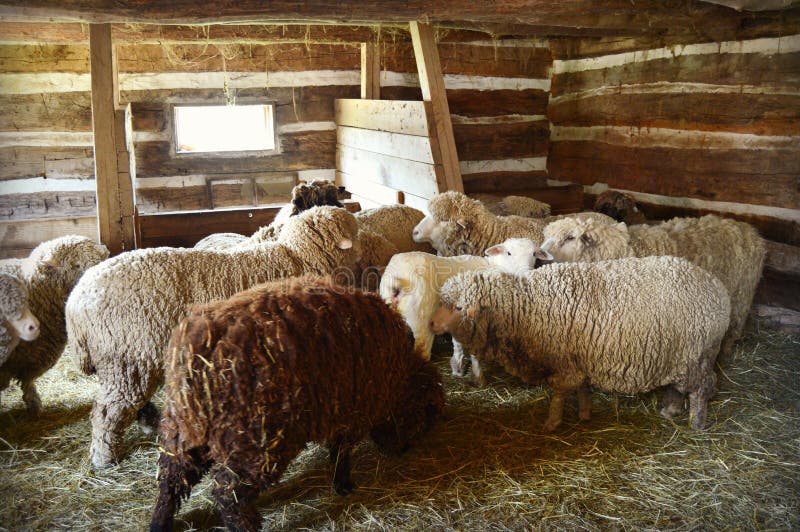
[(101, 459), (344, 487), (148, 418), (34, 407), (550, 426)]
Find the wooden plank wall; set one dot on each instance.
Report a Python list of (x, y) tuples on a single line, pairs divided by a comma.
[(687, 128), (497, 92)]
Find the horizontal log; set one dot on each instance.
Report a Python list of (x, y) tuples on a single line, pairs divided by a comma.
[(185, 229), (758, 114), (46, 162), (40, 205), (783, 258), (307, 150), (501, 61), (740, 176), (404, 117), (65, 111), (506, 182), (471, 102), (781, 70), (44, 58), (18, 238), (400, 174), (409, 147), (367, 189), (501, 141)]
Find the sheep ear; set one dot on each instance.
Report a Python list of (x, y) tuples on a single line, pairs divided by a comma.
[(495, 250), (49, 265), (543, 255), (462, 223), (471, 312), (622, 227), (345, 244)]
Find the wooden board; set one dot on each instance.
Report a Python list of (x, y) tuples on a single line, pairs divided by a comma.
[(370, 72), (367, 189), (400, 174), (18, 238), (393, 116), (474, 102), (502, 141), (408, 147)]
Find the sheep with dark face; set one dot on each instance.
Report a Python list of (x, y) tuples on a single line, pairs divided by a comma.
[(252, 379), (619, 206), (17, 322)]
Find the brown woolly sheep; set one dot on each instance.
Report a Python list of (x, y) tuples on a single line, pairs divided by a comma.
[(619, 206), (252, 379)]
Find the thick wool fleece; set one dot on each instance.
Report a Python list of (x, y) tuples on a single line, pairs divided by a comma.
[(49, 274), (471, 229), (619, 206), (252, 379), (626, 326), (513, 205), (395, 223), (120, 314), (731, 250), (13, 305)]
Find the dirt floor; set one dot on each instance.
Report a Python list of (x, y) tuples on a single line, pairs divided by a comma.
[(486, 466)]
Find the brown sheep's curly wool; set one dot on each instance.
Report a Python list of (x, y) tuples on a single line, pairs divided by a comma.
[(252, 379)]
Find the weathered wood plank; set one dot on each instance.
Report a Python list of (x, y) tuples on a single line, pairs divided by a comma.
[(470, 102), (783, 258), (417, 202), (292, 57), (399, 174), (367, 189), (782, 70), (759, 114), (44, 58), (41, 205), (307, 150), (409, 147), (502, 141), (500, 61), (741, 176), (440, 128), (370, 72), (504, 181), (66, 111), (408, 118), (55, 163), (18, 238)]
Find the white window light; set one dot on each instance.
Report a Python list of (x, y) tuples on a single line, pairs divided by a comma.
[(224, 128)]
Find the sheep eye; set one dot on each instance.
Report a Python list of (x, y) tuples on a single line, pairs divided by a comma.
[(458, 309), (508, 253), (569, 237), (396, 292)]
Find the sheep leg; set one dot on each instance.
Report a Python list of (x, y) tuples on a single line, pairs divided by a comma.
[(31, 397), (698, 401), (235, 500), (110, 417), (457, 360), (672, 402), (562, 384), (584, 402), (477, 374), (340, 458), (176, 478)]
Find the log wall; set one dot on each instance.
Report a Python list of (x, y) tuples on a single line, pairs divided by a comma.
[(497, 92)]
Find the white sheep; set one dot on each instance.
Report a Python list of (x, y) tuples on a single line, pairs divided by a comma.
[(412, 281), (120, 315), (513, 205), (48, 273), (17, 322), (458, 225), (731, 250), (626, 326)]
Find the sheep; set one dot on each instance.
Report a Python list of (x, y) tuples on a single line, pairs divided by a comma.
[(251, 380), (627, 326), (17, 322), (120, 314), (412, 281), (48, 274), (731, 250), (619, 206), (458, 225), (318, 193), (513, 205), (395, 223)]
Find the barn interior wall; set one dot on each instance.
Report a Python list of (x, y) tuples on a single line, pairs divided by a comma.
[(497, 92)]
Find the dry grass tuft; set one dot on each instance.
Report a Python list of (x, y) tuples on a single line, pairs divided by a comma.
[(486, 466)]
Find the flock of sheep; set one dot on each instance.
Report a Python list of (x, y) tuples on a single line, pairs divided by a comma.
[(319, 327)]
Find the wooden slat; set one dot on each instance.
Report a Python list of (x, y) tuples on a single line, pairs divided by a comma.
[(42, 205), (400, 174), (507, 182), (370, 72), (392, 116), (367, 189), (52, 163), (473, 102), (502, 141), (18, 238), (126, 176), (431, 81), (185, 229), (417, 202), (44, 58), (408, 147), (65, 111), (783, 258)]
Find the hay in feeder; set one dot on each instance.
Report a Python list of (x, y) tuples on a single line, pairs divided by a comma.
[(486, 466)]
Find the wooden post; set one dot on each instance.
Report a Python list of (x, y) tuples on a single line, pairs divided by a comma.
[(108, 140), (431, 81), (370, 72)]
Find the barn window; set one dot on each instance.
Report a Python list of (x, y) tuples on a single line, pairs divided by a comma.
[(224, 128)]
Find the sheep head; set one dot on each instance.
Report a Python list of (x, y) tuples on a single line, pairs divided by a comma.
[(517, 255), (585, 240)]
